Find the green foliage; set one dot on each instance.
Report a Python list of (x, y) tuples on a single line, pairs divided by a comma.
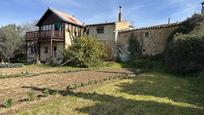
[(8, 103), (55, 92), (31, 96), (142, 63), (46, 92), (135, 47), (184, 53), (11, 41), (25, 73), (86, 51), (152, 93)]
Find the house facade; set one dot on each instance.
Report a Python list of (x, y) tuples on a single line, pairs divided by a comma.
[(153, 40), (107, 34), (57, 30)]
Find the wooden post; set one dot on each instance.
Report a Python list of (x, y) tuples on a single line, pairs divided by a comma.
[(51, 46)]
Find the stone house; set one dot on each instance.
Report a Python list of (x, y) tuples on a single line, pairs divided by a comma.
[(107, 34), (152, 39), (57, 31)]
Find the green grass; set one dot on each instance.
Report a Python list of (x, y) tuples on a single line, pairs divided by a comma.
[(151, 93), (116, 65)]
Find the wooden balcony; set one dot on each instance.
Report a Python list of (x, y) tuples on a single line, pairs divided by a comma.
[(45, 36)]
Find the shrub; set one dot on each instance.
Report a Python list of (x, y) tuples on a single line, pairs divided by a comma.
[(55, 92), (31, 96), (11, 65), (68, 88), (186, 54), (82, 85), (142, 63), (25, 73), (95, 81), (86, 51), (46, 93), (8, 103)]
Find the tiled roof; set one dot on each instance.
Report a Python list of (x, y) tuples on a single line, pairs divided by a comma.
[(154, 27), (102, 24), (66, 17)]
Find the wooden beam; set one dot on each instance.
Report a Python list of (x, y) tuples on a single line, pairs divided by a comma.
[(51, 48)]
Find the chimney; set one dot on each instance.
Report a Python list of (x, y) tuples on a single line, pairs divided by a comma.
[(120, 14), (169, 20), (202, 11)]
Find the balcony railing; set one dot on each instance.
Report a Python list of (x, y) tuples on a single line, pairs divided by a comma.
[(45, 35)]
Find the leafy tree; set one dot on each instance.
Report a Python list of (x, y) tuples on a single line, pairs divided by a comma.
[(186, 55), (85, 51), (185, 51), (11, 40)]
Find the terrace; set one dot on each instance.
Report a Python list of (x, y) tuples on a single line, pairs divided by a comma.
[(45, 35)]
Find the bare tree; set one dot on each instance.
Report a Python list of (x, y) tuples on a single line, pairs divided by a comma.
[(29, 26)]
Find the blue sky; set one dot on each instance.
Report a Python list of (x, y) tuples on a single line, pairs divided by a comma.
[(139, 12)]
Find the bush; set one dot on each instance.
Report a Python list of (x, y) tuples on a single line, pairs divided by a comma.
[(11, 65), (86, 51), (31, 96), (8, 103), (186, 54), (46, 93), (142, 63)]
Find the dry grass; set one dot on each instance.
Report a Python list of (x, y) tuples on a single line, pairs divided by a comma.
[(147, 94), (52, 78)]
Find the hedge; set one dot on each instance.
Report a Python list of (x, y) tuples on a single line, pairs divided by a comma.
[(11, 65)]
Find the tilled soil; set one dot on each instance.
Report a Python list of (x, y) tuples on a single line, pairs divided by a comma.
[(17, 88)]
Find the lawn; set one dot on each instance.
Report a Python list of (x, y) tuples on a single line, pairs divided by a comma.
[(150, 93)]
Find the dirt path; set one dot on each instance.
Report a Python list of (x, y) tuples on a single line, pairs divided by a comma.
[(17, 88)]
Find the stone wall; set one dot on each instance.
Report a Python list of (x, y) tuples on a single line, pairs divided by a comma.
[(58, 54), (152, 39)]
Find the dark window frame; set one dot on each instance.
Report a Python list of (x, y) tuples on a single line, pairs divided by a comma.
[(146, 34), (46, 50), (55, 51), (100, 30)]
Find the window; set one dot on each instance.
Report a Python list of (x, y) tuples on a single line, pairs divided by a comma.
[(88, 31), (46, 50), (58, 26), (49, 27), (33, 50), (100, 30), (46, 27), (55, 51), (55, 48), (146, 34)]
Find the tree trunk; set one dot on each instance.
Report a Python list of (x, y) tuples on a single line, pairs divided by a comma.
[(8, 59)]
